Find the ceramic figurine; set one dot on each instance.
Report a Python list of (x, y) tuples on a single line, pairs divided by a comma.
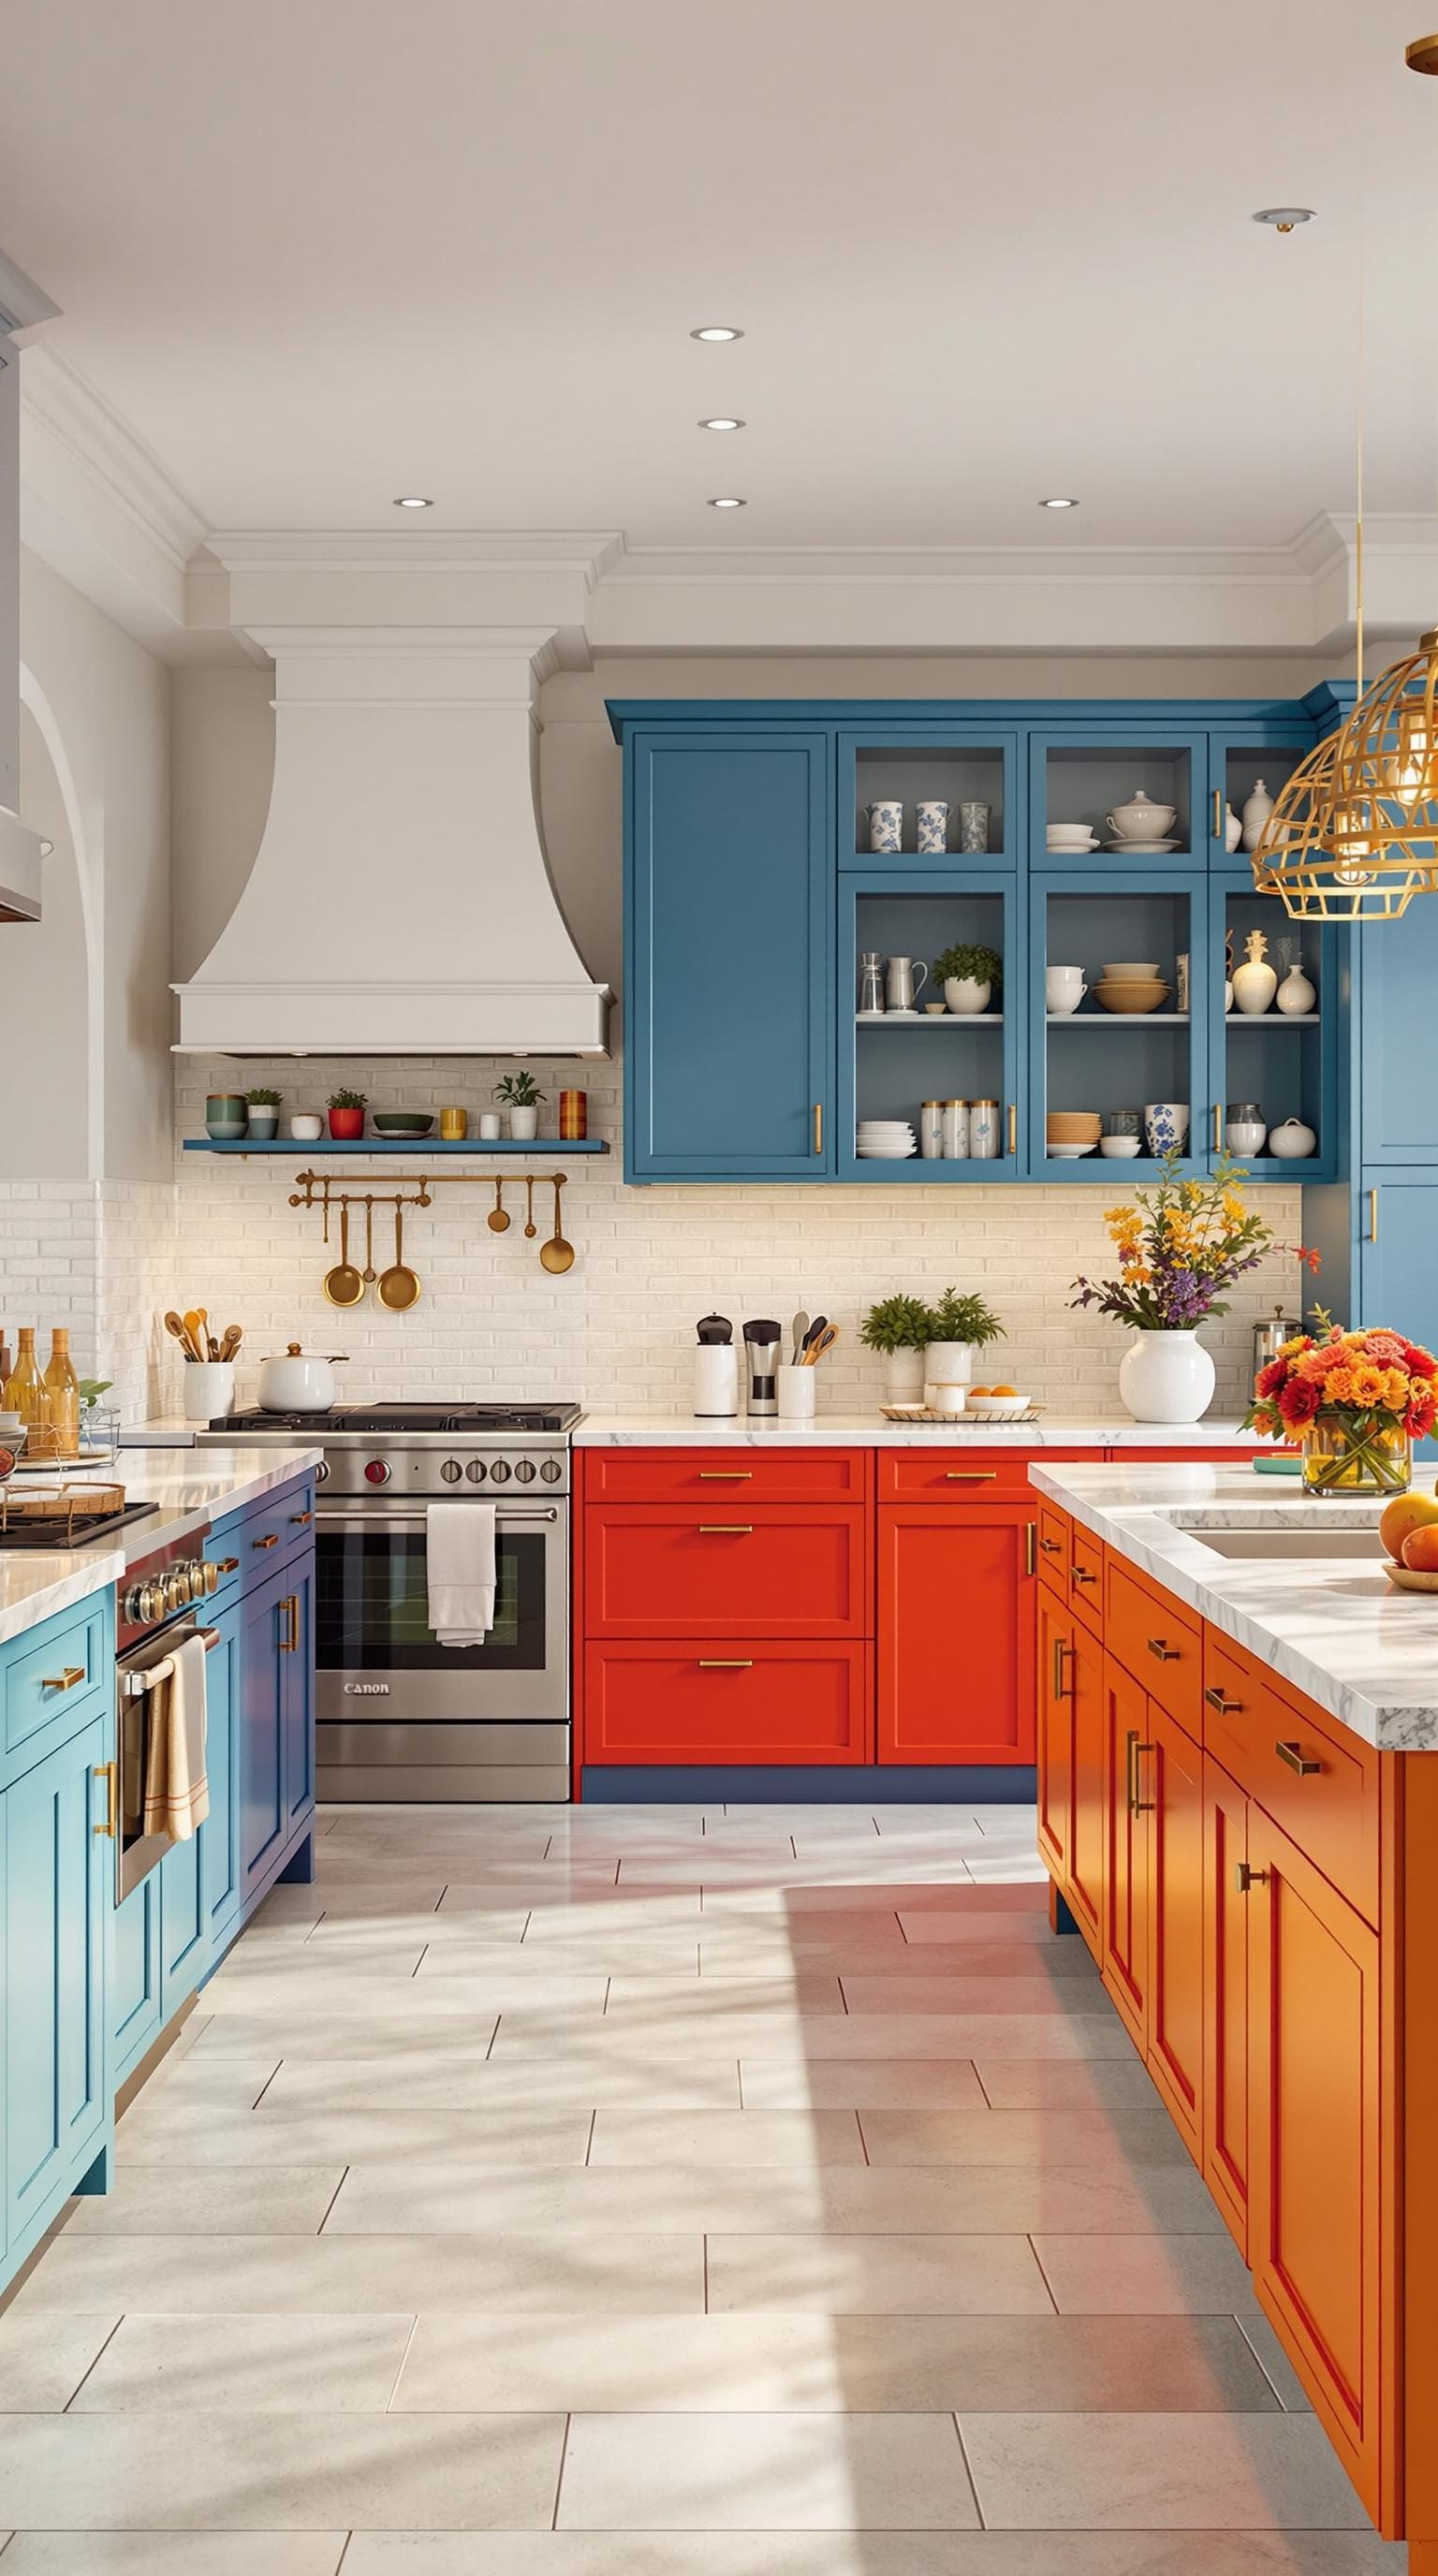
[(1256, 811), (1296, 994), (1254, 983)]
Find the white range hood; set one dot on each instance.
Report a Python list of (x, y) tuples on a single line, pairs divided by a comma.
[(400, 902), (21, 852)]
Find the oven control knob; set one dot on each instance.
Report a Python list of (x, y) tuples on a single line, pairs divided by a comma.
[(177, 1587), (377, 1471), (551, 1471), (499, 1472), (476, 1471), (322, 1473), (524, 1471), (131, 1607), (209, 1574), (451, 1471), (150, 1602)]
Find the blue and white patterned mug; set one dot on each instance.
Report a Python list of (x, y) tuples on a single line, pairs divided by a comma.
[(1165, 1124), (886, 825), (932, 816)]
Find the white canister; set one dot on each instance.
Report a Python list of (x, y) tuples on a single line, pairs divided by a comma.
[(886, 825), (956, 1131), (716, 1382), (941, 1395), (948, 1371), (490, 1125), (984, 1130), (209, 1390), (931, 816), (931, 1130), (796, 1389), (306, 1127)]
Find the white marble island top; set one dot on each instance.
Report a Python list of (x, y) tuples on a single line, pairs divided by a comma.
[(189, 1491), (1335, 1628), (871, 1431)]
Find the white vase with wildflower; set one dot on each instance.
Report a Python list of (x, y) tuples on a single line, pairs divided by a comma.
[(1180, 1248)]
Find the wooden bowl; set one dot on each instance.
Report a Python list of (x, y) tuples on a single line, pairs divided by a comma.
[(1131, 998), (1408, 1578)]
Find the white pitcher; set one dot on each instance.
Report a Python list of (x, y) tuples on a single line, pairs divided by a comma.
[(904, 982)]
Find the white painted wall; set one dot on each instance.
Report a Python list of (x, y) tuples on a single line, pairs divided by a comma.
[(46, 984)]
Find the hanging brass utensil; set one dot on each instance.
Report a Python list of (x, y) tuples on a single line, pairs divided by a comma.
[(343, 1285), (530, 1228), (556, 1254), (369, 1268), (325, 1230), (498, 1217), (399, 1285)]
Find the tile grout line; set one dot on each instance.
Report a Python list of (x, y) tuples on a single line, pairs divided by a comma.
[(559, 2481), (1263, 2366), (334, 2195), (589, 2141), (399, 2371), (863, 2141), (344, 2552), (978, 2079), (968, 2472), (264, 2088), (90, 2365), (419, 1963), (1043, 2276), (704, 2240)]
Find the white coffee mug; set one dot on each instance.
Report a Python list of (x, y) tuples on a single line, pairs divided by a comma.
[(1064, 988)]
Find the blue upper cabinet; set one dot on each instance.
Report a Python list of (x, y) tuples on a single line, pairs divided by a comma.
[(915, 797), (1082, 777), (1396, 972), (730, 981)]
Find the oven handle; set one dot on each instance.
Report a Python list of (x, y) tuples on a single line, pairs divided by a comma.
[(376, 1523)]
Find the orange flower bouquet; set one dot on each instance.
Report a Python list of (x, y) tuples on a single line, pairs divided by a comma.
[(1356, 1400)]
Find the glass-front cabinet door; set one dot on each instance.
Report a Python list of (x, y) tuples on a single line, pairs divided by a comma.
[(1117, 989), (1135, 798), (1247, 767), (917, 796), (928, 1084), (1273, 1007)]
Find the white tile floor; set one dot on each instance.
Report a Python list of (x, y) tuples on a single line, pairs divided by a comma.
[(657, 2192)]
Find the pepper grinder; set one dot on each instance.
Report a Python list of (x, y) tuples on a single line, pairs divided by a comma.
[(763, 1340), (716, 1371)]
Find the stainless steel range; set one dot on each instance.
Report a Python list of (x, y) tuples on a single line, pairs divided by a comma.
[(400, 1716)]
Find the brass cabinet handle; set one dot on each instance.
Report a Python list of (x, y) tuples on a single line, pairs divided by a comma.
[(1244, 1878), (726, 1529), (1031, 1556), (1052, 1546), (272, 1540), (1136, 1748), (1225, 1707), (1217, 1126), (1081, 1574), (1216, 827), (725, 1663), (1297, 1761), (1373, 1216), (725, 1475), (227, 1565), (301, 1520), (1061, 1648), (1165, 1653), (72, 1674), (971, 1475), (290, 1644), (1013, 1127), (109, 1773), (818, 1126)]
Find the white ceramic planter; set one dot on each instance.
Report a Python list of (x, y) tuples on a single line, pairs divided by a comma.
[(524, 1125), (964, 997), (946, 1364), (903, 1377), (1166, 1377)]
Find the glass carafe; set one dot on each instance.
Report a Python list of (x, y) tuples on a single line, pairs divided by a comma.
[(871, 980)]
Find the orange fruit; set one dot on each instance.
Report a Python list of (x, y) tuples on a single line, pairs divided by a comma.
[(1405, 1513), (1003, 1390), (983, 1390), (1420, 1549)]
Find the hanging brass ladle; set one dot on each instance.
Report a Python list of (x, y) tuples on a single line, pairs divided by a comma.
[(498, 1217), (557, 1254)]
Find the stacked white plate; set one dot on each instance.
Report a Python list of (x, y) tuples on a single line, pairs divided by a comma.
[(885, 1140)]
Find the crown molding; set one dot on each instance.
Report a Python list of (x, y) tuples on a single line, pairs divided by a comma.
[(588, 553)]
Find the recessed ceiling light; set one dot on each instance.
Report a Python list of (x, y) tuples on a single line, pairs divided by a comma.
[(412, 501), (727, 502), (1059, 502), (715, 331), (1283, 218), (721, 424)]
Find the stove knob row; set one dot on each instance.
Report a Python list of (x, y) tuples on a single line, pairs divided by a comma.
[(499, 1472), (524, 1471), (476, 1471), (451, 1471), (551, 1471)]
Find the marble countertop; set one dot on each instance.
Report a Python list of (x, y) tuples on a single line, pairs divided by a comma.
[(1337, 1630), (870, 1430), (187, 1496)]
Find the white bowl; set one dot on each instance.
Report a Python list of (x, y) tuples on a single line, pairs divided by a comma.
[(1070, 832), (1068, 1153), (1120, 1149), (998, 1408)]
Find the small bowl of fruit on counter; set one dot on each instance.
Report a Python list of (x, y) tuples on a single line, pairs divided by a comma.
[(997, 1403), (1409, 1531)]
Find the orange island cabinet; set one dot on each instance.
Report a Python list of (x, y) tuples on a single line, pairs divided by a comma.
[(1259, 1888)]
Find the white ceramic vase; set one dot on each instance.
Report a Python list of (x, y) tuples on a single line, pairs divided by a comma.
[(1256, 811), (1166, 1377), (903, 1377), (946, 1364), (965, 997), (1254, 982), (1296, 994)]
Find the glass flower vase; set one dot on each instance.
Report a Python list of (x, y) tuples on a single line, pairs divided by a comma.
[(1340, 1459)]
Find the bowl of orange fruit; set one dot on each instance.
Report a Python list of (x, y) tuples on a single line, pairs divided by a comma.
[(996, 1403), (1409, 1531)]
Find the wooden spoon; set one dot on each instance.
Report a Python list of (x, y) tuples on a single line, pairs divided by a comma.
[(343, 1285), (399, 1285), (176, 1324), (556, 1254), (234, 1335), (498, 1217), (192, 1327), (530, 1227)]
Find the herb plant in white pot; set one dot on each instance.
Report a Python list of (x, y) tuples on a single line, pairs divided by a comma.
[(899, 1327), (969, 975), (958, 1326), (521, 1096)]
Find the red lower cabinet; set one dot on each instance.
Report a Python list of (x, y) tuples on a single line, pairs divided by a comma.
[(729, 1568), (702, 1701), (957, 1613)]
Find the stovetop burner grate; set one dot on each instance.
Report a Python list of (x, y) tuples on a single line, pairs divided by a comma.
[(388, 1418)]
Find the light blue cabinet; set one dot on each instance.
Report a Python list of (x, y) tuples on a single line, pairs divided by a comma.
[(265, 1820), (135, 1983), (1396, 973), (197, 1878)]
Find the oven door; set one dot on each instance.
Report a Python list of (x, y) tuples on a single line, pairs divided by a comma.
[(376, 1655), (136, 1852)]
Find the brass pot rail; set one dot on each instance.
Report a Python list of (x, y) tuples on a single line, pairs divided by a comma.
[(317, 1189)]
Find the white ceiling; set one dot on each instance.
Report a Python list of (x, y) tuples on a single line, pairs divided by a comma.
[(319, 252)]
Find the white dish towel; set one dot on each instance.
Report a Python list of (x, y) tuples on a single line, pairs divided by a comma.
[(459, 1562)]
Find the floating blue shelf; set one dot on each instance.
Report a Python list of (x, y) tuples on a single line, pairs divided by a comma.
[(428, 1148)]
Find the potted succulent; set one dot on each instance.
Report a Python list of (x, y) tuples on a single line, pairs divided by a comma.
[(899, 1327), (958, 1326), (347, 1109), (969, 975), (521, 1096), (263, 1104)]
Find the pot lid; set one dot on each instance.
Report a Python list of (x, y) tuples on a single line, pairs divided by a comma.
[(294, 1352)]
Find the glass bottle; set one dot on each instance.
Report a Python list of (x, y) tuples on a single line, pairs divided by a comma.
[(26, 1393), (63, 1387)]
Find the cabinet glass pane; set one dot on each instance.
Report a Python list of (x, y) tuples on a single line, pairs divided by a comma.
[(1085, 783), (955, 775), (1100, 1061), (1273, 1060), (900, 1062)]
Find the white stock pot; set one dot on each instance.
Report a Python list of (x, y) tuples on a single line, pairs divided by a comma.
[(297, 1381)]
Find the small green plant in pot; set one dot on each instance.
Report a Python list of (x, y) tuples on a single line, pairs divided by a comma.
[(347, 1109), (899, 1328), (970, 975), (521, 1096), (958, 1326), (263, 1104)]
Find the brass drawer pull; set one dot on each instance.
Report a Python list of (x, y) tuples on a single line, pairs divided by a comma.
[(301, 1520), (972, 1475), (1165, 1653), (818, 1127), (726, 1663), (726, 1529), (1136, 1748), (67, 1680), (1244, 1878), (1373, 1216), (1061, 1648), (228, 1565), (725, 1475), (1216, 827), (1013, 1127), (1052, 1546), (1225, 1707), (290, 1642), (1030, 1548), (109, 1772), (272, 1540), (1081, 1574), (1297, 1761)]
